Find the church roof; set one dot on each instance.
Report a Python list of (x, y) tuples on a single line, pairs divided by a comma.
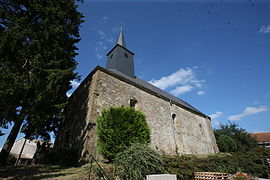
[(139, 83)]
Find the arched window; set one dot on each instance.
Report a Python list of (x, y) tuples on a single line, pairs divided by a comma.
[(133, 102), (173, 117), (176, 123)]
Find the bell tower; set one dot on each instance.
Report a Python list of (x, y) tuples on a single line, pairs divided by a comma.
[(120, 58)]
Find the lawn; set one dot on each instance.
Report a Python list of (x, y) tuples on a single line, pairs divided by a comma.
[(44, 172)]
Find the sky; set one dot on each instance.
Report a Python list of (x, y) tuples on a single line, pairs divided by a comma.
[(215, 55)]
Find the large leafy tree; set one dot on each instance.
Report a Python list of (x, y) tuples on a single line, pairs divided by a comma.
[(231, 138), (37, 59)]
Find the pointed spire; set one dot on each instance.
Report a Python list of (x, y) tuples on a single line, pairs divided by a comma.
[(121, 40)]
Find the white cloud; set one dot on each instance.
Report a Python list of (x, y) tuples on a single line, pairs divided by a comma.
[(256, 102), (74, 83), (181, 90), (264, 29), (200, 92), (104, 36), (102, 44), (68, 94), (215, 123), (216, 115), (101, 34), (182, 81), (247, 112), (181, 77), (214, 118), (99, 51)]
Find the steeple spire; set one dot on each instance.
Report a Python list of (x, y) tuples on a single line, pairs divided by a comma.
[(120, 58), (120, 39)]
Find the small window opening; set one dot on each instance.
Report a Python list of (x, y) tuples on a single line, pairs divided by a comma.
[(126, 55), (111, 56), (200, 125), (133, 102), (173, 116)]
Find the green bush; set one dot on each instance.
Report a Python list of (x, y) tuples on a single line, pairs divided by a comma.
[(248, 162), (118, 128), (138, 161)]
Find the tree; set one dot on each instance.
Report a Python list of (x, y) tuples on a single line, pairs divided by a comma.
[(118, 128), (228, 134), (37, 59), (226, 143)]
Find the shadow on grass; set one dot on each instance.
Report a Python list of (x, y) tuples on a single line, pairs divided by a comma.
[(34, 172)]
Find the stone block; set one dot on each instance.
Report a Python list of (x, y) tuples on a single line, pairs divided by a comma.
[(161, 177)]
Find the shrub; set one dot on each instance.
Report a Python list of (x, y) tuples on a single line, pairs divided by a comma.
[(118, 128), (138, 161), (248, 162)]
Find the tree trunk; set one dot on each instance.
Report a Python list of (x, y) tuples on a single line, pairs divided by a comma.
[(19, 157), (10, 141)]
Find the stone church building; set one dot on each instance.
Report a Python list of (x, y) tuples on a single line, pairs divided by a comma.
[(176, 127)]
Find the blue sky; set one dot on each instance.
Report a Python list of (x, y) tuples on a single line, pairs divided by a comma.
[(214, 55)]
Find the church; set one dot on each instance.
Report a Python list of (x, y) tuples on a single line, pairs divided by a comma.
[(176, 127)]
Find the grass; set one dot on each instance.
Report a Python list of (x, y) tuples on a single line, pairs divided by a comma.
[(183, 166), (44, 172)]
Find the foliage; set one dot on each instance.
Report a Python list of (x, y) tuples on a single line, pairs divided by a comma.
[(118, 128), (65, 157), (138, 161), (183, 166), (37, 59), (244, 142), (101, 170), (249, 162), (226, 143)]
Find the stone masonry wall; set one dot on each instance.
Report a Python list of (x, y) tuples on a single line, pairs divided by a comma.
[(78, 129), (186, 133)]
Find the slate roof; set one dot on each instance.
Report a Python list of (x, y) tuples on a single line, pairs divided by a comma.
[(139, 83), (152, 89)]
